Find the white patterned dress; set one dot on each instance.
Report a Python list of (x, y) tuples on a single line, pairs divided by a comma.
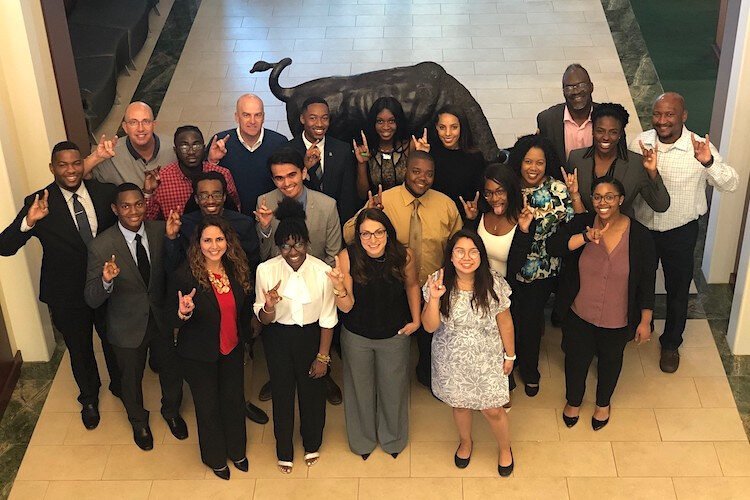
[(467, 352)]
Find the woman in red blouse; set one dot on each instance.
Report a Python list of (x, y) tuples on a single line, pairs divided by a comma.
[(214, 300)]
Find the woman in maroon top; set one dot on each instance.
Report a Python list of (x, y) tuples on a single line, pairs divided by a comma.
[(606, 295), (214, 303)]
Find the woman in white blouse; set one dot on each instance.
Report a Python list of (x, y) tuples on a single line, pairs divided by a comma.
[(294, 297)]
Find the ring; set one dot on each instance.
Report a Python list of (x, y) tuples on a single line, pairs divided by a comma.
[(364, 154)]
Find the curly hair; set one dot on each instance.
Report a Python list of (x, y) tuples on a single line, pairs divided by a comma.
[(402, 126), (617, 112), (524, 144), (395, 252), (234, 259)]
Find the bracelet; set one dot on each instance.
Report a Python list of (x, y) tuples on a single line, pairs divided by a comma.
[(184, 317), (272, 311), (509, 358), (323, 358), (340, 295), (586, 238)]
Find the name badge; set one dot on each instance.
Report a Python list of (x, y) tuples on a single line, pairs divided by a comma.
[(386, 156)]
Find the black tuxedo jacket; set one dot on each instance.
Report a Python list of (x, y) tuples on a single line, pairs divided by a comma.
[(339, 175), (63, 274), (550, 125), (199, 336)]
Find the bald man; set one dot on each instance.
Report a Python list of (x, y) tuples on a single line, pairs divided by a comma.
[(248, 148), (686, 162), (119, 161)]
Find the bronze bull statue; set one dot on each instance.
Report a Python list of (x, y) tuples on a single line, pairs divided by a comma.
[(422, 89)]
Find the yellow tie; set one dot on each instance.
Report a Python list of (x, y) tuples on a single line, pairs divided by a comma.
[(415, 233)]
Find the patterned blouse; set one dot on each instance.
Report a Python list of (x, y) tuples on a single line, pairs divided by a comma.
[(552, 205)]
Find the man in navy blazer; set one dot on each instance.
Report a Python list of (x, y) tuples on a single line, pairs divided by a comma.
[(330, 163), (65, 216)]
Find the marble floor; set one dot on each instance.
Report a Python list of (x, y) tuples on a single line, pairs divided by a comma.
[(677, 436)]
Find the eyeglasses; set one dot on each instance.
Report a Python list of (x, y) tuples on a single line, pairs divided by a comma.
[(299, 246), (147, 122), (609, 197), (207, 196), (460, 253), (492, 194), (186, 148), (569, 89), (366, 235), (390, 121)]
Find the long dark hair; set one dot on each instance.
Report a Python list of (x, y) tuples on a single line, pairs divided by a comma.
[(395, 252), (466, 139), (503, 175), (402, 127), (234, 259), (524, 144), (483, 280)]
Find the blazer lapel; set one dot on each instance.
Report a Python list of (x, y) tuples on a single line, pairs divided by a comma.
[(127, 260)]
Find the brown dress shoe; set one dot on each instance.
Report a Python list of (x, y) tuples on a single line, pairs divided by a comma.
[(669, 360)]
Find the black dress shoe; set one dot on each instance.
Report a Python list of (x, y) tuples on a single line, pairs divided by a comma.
[(394, 455), (669, 360), (143, 438), (570, 421), (531, 390), (365, 456), (178, 427), (506, 470), (90, 416), (222, 473), (462, 463), (598, 424), (255, 414), (243, 465), (265, 392), (333, 392)]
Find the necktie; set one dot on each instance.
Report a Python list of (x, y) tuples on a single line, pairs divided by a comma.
[(316, 174), (82, 220), (143, 265), (415, 233)]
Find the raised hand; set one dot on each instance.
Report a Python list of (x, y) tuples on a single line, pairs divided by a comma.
[(186, 304), (702, 150), (420, 144), (336, 276), (377, 200), (263, 214), (218, 149), (435, 284), (106, 147), (152, 180), (594, 234), (272, 297), (526, 216), (649, 157), (38, 209), (312, 155), (173, 224), (110, 270), (471, 207), (361, 152), (571, 180)]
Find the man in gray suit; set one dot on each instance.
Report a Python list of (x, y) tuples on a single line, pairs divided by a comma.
[(126, 270), (288, 173)]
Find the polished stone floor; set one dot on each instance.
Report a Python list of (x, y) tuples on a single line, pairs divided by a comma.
[(677, 436)]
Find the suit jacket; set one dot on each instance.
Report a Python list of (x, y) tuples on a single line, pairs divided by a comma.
[(63, 274), (642, 260), (322, 223), (339, 174), (199, 336), (550, 125), (630, 172), (130, 300)]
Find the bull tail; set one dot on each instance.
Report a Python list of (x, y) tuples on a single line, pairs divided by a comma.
[(281, 93)]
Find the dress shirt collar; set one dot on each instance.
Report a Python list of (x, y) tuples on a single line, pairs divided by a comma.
[(302, 198), (130, 235), (257, 143), (321, 145), (683, 143), (408, 198), (82, 192), (568, 118), (136, 155)]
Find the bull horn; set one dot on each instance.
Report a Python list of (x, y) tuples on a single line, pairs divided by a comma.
[(281, 93)]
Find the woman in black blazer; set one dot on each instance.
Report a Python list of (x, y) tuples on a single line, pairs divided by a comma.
[(214, 299), (606, 295)]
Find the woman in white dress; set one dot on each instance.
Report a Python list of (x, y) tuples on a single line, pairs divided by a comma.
[(467, 308)]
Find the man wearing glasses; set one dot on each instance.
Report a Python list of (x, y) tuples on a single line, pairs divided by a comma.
[(169, 189), (568, 125)]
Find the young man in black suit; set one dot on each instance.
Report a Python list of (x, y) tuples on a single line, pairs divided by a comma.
[(65, 216), (330, 163)]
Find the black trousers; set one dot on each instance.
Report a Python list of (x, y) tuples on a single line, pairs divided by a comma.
[(219, 396), (581, 342), (676, 249), (132, 362), (76, 324), (527, 308), (424, 365), (290, 352)]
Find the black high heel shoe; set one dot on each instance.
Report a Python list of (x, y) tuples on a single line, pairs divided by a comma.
[(243, 465), (506, 470), (462, 463), (531, 390), (597, 424), (222, 473), (569, 421)]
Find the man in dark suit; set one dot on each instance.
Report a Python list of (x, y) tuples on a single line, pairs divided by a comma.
[(568, 125), (331, 167), (126, 270), (65, 216)]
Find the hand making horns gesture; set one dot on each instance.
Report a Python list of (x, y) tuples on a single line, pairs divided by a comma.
[(263, 215), (186, 304), (594, 234), (38, 209), (571, 180), (526, 216), (272, 297), (435, 284), (702, 150), (110, 270), (337, 276), (361, 152), (471, 207), (420, 144), (377, 200), (649, 157)]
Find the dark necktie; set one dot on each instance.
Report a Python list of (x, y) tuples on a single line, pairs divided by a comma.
[(82, 220), (316, 175), (143, 265)]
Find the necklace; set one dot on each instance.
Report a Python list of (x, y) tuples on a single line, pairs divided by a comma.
[(220, 282)]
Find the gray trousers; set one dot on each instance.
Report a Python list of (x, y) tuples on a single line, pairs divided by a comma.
[(376, 392)]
